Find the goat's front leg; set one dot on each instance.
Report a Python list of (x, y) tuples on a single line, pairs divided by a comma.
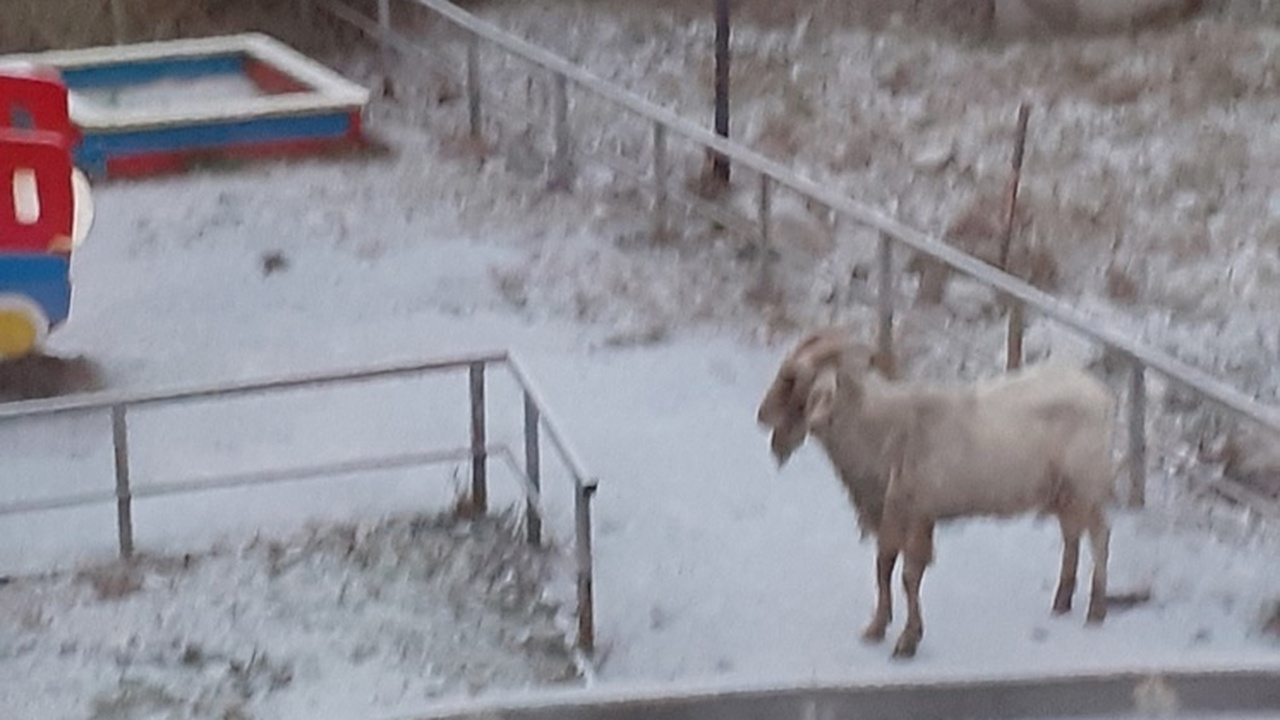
[(1070, 563), (917, 554), (886, 558)]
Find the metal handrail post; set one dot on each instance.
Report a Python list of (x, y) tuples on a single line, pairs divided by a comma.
[(586, 576), (479, 454), (124, 498), (532, 469)]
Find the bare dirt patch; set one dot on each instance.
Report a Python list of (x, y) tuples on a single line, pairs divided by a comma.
[(40, 376)]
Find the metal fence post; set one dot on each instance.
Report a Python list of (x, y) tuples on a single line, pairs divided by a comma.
[(659, 182), (561, 162), (884, 307), (473, 86), (479, 454), (532, 469), (124, 498), (764, 211), (586, 579), (1137, 434), (384, 25), (1017, 327)]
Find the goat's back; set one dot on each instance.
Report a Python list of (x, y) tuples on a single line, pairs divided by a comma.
[(1038, 439)]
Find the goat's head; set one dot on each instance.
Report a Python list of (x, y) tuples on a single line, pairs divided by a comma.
[(803, 394)]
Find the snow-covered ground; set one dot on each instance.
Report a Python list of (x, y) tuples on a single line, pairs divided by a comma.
[(711, 566)]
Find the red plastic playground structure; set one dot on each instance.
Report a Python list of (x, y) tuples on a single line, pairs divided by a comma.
[(45, 207)]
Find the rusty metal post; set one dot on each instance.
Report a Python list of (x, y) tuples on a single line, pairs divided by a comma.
[(473, 87), (884, 307), (1137, 434), (479, 452), (533, 470), (1016, 331), (1015, 179), (1017, 319), (586, 578), (660, 228), (124, 497)]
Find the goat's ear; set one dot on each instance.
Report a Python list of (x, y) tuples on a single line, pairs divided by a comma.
[(822, 399)]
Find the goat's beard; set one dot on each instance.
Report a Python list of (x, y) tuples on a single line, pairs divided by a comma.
[(784, 441)]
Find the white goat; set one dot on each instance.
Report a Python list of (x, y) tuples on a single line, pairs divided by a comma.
[(911, 455)]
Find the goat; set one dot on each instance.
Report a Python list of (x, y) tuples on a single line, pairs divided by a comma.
[(911, 455)]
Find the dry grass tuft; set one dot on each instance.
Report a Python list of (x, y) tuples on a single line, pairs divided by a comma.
[(113, 581)]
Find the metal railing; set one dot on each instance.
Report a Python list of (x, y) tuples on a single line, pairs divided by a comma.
[(537, 423), (665, 123), (1218, 694)]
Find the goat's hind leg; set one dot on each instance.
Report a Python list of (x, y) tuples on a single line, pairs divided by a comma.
[(886, 558), (1099, 546)]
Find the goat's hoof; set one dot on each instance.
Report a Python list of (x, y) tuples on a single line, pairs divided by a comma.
[(1095, 616), (905, 649), (874, 634), (1061, 608)]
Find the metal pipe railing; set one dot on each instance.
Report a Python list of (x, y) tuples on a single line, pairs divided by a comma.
[(479, 452), (1045, 304), (135, 398)]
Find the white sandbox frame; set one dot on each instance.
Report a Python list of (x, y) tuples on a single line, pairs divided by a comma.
[(329, 91)]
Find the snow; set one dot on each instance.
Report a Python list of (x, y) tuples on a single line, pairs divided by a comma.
[(712, 567), (166, 93)]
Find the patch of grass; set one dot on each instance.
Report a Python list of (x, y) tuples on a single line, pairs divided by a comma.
[(114, 581)]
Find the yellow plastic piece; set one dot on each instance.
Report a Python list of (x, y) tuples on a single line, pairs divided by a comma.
[(18, 332)]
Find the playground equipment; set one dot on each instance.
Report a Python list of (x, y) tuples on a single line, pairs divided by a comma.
[(165, 106), (45, 206)]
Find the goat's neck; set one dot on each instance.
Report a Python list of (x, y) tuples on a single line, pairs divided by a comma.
[(857, 441)]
